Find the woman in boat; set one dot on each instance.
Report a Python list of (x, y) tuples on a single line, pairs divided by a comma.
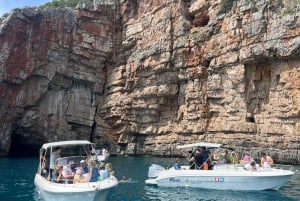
[(93, 171), (79, 178), (57, 176), (105, 174)]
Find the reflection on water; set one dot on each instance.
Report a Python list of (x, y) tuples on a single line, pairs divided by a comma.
[(178, 194), (292, 187)]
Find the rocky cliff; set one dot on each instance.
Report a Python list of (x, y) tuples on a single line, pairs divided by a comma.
[(140, 77)]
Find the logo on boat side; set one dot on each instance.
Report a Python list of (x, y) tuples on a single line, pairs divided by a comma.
[(219, 179), (172, 179)]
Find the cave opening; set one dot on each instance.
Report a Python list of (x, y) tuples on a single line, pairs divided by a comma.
[(24, 143)]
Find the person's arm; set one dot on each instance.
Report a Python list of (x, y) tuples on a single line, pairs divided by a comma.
[(270, 160), (90, 174)]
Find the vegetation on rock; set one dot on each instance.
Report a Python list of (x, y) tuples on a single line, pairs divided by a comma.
[(64, 3)]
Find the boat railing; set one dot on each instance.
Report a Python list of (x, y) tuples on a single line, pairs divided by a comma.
[(65, 160), (282, 167)]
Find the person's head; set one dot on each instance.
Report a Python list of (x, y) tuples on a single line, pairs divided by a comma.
[(108, 166), (91, 162), (78, 172), (176, 160), (58, 149), (253, 163), (58, 168), (82, 163), (263, 154), (72, 164), (101, 165)]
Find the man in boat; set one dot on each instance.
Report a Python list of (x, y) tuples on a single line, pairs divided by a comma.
[(197, 160), (69, 170), (266, 161), (84, 167)]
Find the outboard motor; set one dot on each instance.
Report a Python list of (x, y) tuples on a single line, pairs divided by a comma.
[(154, 170)]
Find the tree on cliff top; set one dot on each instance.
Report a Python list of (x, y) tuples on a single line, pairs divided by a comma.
[(64, 3)]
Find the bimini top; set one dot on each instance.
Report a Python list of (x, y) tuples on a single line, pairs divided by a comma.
[(200, 144), (66, 143)]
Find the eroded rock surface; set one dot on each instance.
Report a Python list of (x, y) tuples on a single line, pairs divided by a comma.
[(140, 77)]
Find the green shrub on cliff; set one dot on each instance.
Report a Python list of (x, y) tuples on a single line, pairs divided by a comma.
[(225, 6), (291, 6), (64, 3)]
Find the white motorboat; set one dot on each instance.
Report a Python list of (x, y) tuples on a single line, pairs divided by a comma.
[(102, 154), (74, 151), (221, 176)]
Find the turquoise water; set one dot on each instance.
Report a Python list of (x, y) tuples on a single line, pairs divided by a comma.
[(17, 174)]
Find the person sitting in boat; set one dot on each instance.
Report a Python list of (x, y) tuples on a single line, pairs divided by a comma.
[(53, 157), (225, 158), (105, 174), (252, 166), (246, 158), (69, 170), (93, 171), (177, 164), (234, 158), (57, 175), (84, 167), (266, 161), (79, 178), (101, 170)]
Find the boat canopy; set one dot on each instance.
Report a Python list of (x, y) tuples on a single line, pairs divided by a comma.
[(200, 144), (66, 143)]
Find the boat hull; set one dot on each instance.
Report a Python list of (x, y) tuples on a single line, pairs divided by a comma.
[(94, 191), (222, 179)]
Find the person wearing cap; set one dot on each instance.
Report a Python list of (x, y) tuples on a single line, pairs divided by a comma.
[(69, 170), (266, 161), (84, 167)]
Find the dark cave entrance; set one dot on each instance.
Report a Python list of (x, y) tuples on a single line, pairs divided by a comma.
[(25, 143)]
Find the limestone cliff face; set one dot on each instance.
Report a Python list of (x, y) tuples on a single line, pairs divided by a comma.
[(140, 77)]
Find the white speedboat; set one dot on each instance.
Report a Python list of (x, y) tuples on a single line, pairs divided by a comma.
[(220, 177), (74, 151), (102, 154)]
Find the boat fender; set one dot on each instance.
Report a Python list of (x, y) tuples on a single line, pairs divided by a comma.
[(98, 187), (205, 166)]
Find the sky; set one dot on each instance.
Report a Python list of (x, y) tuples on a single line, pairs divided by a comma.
[(8, 5)]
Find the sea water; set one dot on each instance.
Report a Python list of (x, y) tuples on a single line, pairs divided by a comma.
[(17, 175)]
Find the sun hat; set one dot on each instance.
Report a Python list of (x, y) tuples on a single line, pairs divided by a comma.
[(82, 161)]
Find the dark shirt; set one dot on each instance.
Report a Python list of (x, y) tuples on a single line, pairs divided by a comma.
[(199, 159)]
